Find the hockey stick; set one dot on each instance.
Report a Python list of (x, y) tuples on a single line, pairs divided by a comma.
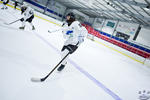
[(43, 79), (54, 31), (12, 22)]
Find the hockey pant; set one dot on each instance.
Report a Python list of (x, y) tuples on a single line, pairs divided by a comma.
[(67, 49), (28, 20), (16, 4)]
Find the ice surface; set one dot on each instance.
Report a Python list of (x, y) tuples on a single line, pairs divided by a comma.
[(26, 54)]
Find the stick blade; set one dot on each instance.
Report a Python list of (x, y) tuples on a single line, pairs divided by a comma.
[(6, 23), (36, 79)]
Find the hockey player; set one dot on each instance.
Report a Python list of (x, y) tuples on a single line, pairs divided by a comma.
[(5, 2), (28, 14), (74, 34), (15, 4)]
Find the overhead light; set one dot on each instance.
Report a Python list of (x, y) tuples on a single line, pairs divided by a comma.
[(101, 14), (108, 3), (131, 18), (113, 6), (147, 8)]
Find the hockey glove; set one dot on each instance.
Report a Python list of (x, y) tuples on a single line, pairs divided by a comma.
[(22, 19), (81, 39), (69, 32)]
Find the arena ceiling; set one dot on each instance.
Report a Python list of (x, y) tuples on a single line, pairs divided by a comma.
[(134, 11)]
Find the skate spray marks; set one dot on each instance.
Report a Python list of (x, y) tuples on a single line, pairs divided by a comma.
[(99, 84)]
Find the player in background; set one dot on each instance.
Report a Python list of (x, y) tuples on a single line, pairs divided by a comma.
[(74, 34), (15, 4), (28, 16), (5, 2)]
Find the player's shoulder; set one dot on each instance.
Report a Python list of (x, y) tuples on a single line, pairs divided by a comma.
[(75, 23)]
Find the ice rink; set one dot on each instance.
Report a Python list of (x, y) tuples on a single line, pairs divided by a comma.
[(93, 72)]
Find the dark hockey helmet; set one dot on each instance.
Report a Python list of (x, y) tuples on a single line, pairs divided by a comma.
[(23, 8), (71, 19), (72, 16)]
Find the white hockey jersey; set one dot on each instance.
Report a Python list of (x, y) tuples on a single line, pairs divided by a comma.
[(77, 33), (28, 13)]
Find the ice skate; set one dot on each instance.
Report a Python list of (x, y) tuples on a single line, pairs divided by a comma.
[(61, 68), (33, 28), (22, 28)]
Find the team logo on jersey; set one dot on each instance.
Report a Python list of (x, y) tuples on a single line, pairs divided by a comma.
[(144, 95)]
